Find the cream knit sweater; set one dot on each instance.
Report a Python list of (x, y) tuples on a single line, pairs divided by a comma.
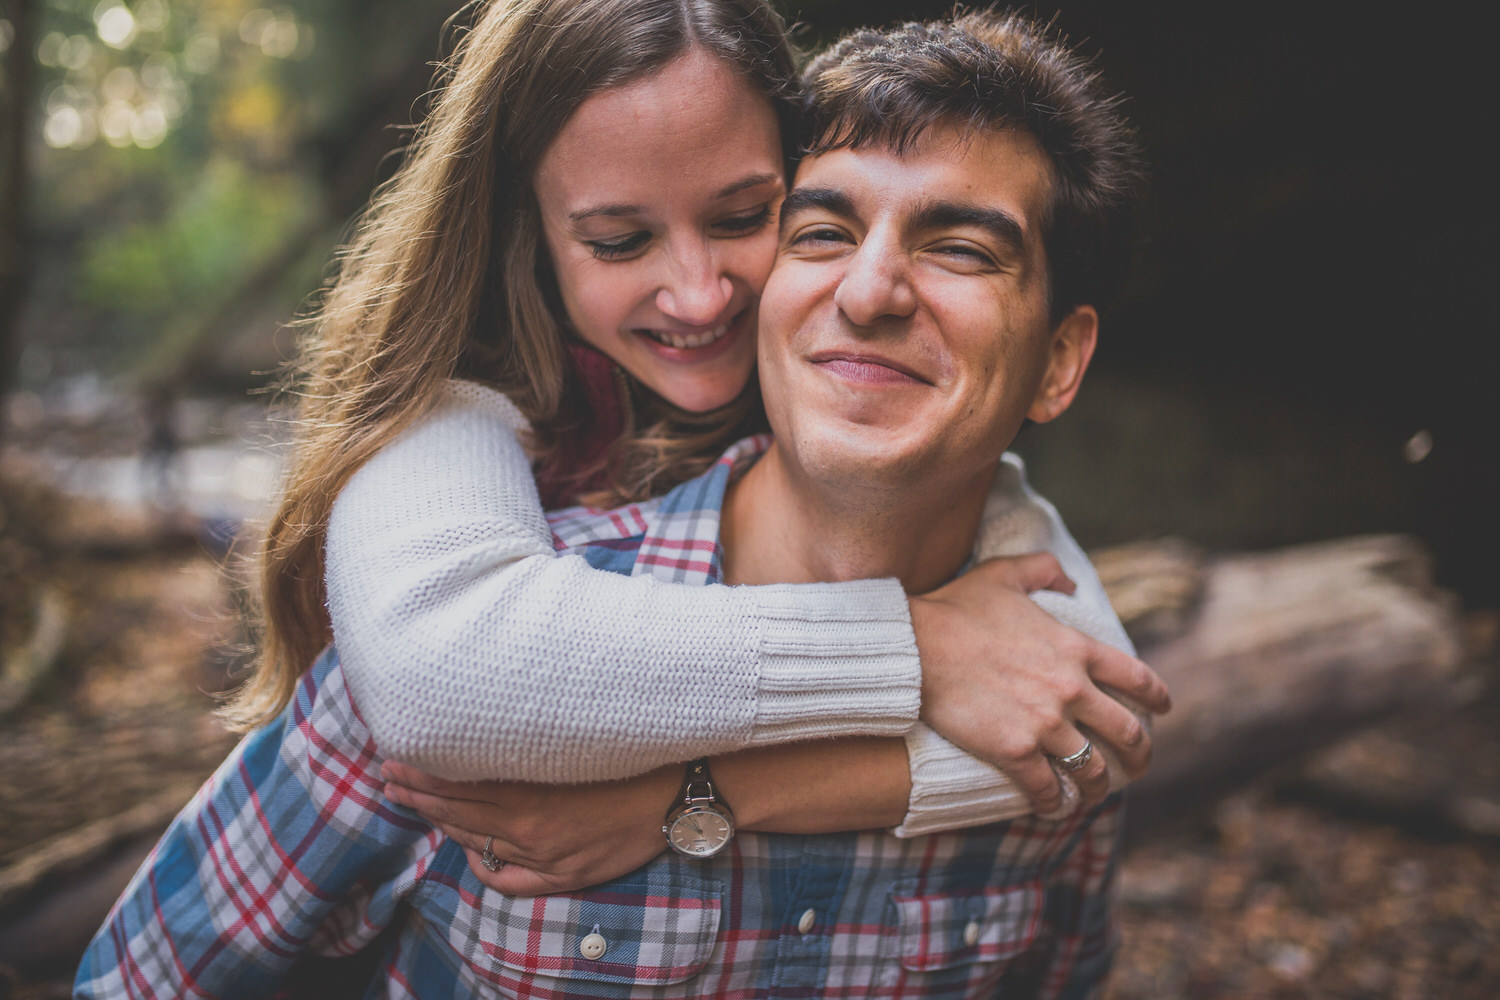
[(475, 652)]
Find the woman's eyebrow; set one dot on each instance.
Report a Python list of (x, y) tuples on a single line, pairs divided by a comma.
[(754, 180), (729, 190), (609, 210), (830, 200)]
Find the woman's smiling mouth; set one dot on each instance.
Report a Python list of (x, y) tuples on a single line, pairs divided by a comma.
[(683, 341)]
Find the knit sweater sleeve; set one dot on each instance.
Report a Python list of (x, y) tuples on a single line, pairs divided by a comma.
[(949, 788), (475, 652)]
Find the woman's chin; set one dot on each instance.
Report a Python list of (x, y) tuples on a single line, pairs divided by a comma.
[(700, 389), (704, 399)]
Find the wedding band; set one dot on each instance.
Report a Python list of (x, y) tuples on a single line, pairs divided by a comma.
[(487, 856), (1077, 761)]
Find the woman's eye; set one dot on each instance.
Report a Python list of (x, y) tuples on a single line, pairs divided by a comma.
[(615, 249), (750, 222)]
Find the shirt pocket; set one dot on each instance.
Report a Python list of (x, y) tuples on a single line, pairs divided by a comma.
[(965, 927), (639, 931)]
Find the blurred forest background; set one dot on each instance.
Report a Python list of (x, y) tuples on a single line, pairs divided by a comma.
[(1299, 359)]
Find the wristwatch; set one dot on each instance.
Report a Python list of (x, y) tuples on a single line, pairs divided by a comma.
[(699, 824)]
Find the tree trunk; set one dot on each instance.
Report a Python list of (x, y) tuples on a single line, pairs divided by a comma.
[(17, 97)]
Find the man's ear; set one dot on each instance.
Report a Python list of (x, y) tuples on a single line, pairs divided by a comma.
[(1070, 351)]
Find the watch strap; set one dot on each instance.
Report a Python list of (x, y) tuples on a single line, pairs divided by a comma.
[(698, 788), (698, 779)]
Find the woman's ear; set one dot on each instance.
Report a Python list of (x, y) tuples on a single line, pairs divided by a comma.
[(1070, 350)]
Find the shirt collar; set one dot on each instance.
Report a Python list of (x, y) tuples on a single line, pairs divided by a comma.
[(681, 543)]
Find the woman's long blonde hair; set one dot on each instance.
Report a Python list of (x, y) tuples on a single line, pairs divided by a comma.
[(446, 276)]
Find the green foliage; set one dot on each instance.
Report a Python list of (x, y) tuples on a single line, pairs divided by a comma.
[(177, 151), (154, 268)]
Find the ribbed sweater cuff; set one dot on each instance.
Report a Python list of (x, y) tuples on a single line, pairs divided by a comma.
[(951, 790), (835, 661)]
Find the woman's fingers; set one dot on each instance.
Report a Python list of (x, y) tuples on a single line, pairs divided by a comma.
[(518, 880), (445, 812), (511, 878), (420, 781), (1126, 736), (1036, 571), (1036, 779), (1131, 677), (477, 842), (516, 876), (1090, 773)]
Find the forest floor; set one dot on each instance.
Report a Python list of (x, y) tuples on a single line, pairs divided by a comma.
[(117, 631)]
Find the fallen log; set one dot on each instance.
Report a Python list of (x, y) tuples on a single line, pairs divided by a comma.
[(1272, 655), (23, 670)]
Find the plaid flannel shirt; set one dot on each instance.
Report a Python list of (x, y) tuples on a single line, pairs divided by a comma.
[(290, 850)]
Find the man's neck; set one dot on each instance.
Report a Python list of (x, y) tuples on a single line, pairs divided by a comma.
[(781, 526)]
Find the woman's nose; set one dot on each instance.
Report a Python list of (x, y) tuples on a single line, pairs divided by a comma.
[(697, 289)]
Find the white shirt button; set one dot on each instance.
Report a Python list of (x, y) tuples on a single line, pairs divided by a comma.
[(808, 920), (593, 946), (971, 933)]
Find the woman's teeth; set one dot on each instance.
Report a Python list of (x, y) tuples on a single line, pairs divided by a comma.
[(680, 341)]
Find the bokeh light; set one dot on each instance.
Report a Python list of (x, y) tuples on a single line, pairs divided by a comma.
[(115, 24)]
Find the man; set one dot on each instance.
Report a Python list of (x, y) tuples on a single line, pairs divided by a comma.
[(940, 254)]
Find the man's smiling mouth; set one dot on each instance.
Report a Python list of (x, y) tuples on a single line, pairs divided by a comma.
[(868, 368)]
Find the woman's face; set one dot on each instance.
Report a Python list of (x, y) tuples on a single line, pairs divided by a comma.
[(658, 201)]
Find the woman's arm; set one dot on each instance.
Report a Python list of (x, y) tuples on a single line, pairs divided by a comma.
[(474, 652), (562, 838), (952, 788)]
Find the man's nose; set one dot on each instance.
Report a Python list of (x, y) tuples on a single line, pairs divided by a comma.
[(696, 290), (876, 285)]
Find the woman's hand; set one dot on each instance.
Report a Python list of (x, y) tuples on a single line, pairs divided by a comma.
[(552, 838), (1011, 685)]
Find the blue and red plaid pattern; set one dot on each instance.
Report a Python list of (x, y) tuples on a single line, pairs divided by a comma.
[(290, 850)]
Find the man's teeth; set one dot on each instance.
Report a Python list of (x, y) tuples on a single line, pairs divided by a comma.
[(691, 339)]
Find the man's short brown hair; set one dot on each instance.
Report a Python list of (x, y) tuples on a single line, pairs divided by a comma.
[(996, 71)]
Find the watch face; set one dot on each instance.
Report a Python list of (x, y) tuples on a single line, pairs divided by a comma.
[(700, 832)]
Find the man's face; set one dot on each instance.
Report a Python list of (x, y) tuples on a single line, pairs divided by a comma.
[(904, 329)]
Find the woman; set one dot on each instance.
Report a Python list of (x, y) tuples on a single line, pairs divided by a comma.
[(480, 235)]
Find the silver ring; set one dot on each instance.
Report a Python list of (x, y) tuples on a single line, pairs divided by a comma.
[(487, 856), (1077, 761)]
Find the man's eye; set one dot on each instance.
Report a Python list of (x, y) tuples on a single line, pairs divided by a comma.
[(750, 222), (615, 249), (814, 235), (965, 254)]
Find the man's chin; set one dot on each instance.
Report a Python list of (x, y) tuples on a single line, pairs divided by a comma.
[(860, 457)]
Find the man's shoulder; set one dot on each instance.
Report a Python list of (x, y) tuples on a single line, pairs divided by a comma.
[(674, 537)]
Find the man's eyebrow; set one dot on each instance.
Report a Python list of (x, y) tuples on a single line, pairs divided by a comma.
[(1001, 225), (729, 190), (830, 200)]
